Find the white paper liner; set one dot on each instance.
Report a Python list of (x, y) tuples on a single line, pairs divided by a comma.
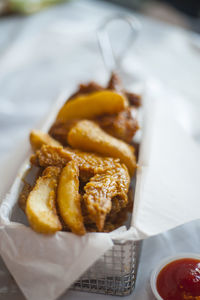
[(167, 191)]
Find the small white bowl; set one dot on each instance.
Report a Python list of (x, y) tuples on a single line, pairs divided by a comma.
[(162, 264)]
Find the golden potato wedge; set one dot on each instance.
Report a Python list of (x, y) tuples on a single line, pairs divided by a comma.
[(69, 198), (39, 138), (92, 105), (88, 136), (40, 205)]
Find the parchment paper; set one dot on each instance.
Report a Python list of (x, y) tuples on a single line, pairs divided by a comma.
[(167, 193)]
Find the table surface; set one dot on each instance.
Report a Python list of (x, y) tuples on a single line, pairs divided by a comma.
[(42, 54)]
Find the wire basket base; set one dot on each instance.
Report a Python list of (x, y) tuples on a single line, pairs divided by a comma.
[(114, 273)]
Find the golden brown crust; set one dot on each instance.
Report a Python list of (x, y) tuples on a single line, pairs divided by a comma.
[(122, 125), (100, 190), (92, 191), (89, 163)]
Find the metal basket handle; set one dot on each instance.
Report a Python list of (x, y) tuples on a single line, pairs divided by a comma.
[(112, 61)]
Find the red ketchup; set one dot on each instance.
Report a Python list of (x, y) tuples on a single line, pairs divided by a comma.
[(180, 280)]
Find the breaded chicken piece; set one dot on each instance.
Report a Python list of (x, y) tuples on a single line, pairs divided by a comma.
[(100, 190), (89, 163), (122, 125), (51, 156), (88, 136)]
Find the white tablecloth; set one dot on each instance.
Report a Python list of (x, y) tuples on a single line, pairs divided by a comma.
[(41, 55)]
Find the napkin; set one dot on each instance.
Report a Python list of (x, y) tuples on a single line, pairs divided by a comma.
[(167, 193)]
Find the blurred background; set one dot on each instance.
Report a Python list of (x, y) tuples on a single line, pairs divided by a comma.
[(47, 46), (184, 13)]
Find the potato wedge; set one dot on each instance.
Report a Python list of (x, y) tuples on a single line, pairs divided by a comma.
[(69, 198), (40, 206), (39, 138), (92, 105), (88, 136)]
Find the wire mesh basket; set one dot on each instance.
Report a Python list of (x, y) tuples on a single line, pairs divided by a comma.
[(114, 273)]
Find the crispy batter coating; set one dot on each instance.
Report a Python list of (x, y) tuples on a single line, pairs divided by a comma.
[(100, 190), (51, 156), (88, 136), (89, 163), (122, 125)]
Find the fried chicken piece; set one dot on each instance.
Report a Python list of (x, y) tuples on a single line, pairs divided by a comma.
[(100, 190), (122, 125), (88, 136), (112, 222), (89, 163), (86, 88), (51, 156)]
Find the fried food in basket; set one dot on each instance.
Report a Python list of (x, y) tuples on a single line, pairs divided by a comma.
[(68, 198), (84, 163), (41, 206), (39, 138), (88, 136), (102, 188), (92, 105), (121, 125), (89, 163)]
